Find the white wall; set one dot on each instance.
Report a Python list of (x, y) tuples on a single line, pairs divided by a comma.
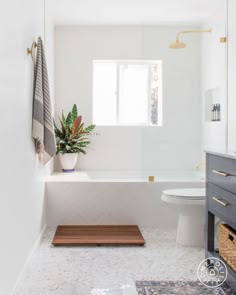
[(214, 66), (49, 48), (133, 12), (22, 180), (232, 76), (175, 145)]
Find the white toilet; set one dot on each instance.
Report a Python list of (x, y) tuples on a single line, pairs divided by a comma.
[(189, 204)]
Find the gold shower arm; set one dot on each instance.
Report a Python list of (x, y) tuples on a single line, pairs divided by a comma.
[(192, 31)]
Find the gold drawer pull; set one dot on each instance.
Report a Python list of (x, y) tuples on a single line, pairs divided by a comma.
[(220, 201), (221, 173)]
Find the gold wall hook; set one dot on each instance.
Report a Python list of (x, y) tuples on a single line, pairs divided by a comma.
[(31, 51)]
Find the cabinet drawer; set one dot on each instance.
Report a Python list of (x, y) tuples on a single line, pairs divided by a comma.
[(221, 201), (222, 172)]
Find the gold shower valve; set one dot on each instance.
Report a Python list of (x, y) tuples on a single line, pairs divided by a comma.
[(151, 178), (199, 164), (223, 39)]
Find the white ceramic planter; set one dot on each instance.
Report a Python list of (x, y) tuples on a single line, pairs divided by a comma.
[(68, 162)]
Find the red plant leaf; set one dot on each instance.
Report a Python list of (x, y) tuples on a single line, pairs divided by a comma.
[(76, 124)]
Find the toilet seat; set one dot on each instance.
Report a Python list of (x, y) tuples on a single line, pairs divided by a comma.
[(186, 193)]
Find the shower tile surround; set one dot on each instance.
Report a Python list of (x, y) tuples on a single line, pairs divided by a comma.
[(107, 270), (146, 147)]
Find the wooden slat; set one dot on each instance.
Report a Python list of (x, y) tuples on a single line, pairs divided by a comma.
[(97, 235)]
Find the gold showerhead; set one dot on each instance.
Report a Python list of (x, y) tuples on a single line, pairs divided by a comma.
[(178, 45)]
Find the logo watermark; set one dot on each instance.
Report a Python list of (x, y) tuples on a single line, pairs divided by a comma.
[(212, 272)]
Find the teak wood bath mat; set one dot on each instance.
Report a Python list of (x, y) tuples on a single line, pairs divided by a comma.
[(78, 235)]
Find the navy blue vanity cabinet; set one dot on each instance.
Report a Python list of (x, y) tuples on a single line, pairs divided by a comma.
[(220, 200)]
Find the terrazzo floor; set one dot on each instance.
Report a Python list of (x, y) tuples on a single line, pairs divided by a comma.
[(107, 270)]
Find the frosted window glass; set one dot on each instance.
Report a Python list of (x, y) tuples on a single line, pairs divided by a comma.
[(127, 92), (104, 93), (133, 93)]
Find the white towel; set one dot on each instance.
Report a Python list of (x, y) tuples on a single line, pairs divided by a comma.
[(42, 129)]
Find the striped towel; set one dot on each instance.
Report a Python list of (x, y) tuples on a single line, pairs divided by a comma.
[(42, 129)]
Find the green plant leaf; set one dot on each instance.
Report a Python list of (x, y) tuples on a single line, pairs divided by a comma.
[(56, 130), (82, 151), (89, 128), (63, 117), (63, 129), (72, 137), (81, 127), (74, 113), (69, 119)]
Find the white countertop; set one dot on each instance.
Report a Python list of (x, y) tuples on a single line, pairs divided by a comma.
[(231, 155)]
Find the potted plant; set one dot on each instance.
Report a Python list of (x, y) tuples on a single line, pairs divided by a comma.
[(71, 139)]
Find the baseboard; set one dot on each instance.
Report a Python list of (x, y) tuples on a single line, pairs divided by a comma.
[(34, 248)]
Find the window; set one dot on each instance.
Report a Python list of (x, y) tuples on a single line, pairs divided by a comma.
[(127, 92)]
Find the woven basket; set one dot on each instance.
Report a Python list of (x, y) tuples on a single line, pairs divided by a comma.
[(227, 245)]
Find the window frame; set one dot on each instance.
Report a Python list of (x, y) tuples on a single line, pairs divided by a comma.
[(118, 63)]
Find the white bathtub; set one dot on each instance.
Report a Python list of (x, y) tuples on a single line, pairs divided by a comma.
[(122, 197)]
